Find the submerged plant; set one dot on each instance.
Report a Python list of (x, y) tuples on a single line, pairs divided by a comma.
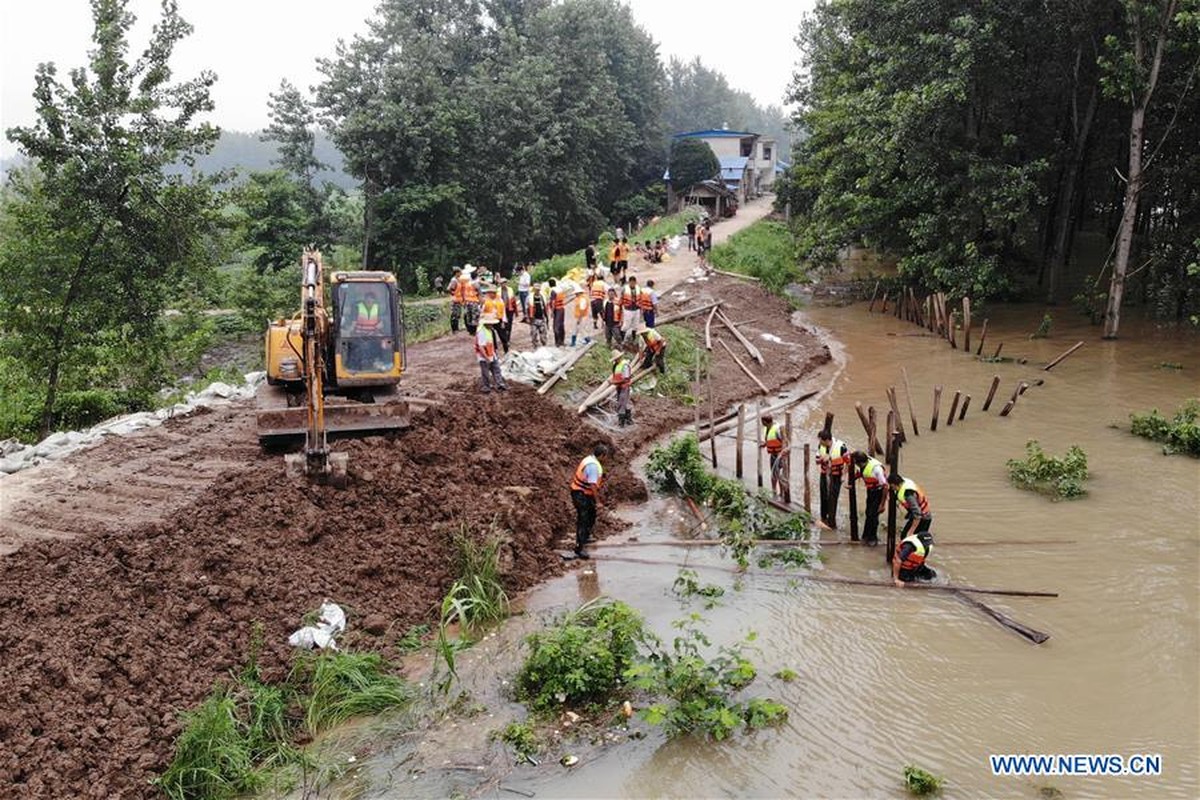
[(687, 585), (1043, 329), (1061, 477), (920, 782), (1181, 434)]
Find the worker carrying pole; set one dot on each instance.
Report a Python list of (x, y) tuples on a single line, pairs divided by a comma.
[(622, 378), (585, 491), (916, 540), (775, 441)]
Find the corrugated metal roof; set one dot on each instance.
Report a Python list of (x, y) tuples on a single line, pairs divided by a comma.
[(714, 134), (733, 162)]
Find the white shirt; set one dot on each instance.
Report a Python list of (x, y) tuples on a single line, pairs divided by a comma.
[(523, 282)]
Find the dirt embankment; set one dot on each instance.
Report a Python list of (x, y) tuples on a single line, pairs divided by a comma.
[(134, 571), (108, 635)]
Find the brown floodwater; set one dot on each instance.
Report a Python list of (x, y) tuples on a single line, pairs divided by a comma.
[(888, 677)]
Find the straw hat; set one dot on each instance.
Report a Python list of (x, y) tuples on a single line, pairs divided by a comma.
[(467, 269), (616, 355)]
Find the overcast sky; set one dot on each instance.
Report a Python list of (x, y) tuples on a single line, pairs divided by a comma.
[(253, 44)]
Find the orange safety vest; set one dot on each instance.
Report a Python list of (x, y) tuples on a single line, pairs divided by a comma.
[(557, 299), (494, 306), (774, 439), (485, 344), (910, 485), (623, 249), (614, 253), (599, 290), (621, 374), (368, 318), (580, 483), (629, 298), (470, 293), (645, 301), (511, 304), (833, 458), (457, 289), (917, 557), (618, 313), (874, 474), (654, 340)]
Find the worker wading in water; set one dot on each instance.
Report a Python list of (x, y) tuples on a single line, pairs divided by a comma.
[(585, 491), (654, 351), (916, 540), (489, 361), (775, 444), (832, 457), (874, 476), (622, 378)]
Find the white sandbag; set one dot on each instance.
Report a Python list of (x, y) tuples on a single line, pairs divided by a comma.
[(331, 621)]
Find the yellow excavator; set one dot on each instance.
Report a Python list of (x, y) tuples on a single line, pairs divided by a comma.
[(333, 369)]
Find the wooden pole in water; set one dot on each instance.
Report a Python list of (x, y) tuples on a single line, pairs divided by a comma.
[(996, 354), (712, 417), (828, 426), (787, 459), (891, 435), (891, 396), (807, 479), (884, 309), (862, 417), (1054, 363), (991, 392), (966, 306), (758, 440), (966, 402), (982, 338), (937, 407), (873, 436), (1012, 402), (912, 415), (853, 502), (893, 469), (696, 395), (874, 294), (953, 408), (741, 439)]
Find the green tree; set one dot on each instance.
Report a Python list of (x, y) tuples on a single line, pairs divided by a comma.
[(96, 235), (277, 219), (692, 161)]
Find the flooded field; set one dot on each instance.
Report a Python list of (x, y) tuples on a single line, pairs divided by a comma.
[(889, 677)]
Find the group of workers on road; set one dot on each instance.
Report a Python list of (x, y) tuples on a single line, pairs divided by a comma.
[(834, 459)]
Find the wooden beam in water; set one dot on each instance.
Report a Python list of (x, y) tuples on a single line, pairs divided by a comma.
[(991, 392), (912, 415), (1054, 363), (937, 407), (953, 408), (966, 402)]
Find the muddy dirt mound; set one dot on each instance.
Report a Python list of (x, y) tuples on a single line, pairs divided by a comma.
[(108, 636)]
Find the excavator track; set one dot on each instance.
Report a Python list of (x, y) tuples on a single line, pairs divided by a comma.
[(280, 420)]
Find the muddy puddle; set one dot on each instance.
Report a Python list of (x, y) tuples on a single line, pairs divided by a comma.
[(889, 677)]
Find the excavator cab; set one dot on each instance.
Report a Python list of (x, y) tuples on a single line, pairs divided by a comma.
[(368, 330)]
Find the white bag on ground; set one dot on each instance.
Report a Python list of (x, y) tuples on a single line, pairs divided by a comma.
[(330, 622)]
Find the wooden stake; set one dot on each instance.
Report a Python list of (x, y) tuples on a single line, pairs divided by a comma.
[(884, 309), (937, 406), (874, 293), (996, 354), (728, 422), (758, 436), (712, 415), (1054, 363), (991, 393), (828, 426), (853, 502), (566, 367), (1008, 407), (891, 435), (982, 338), (873, 437), (912, 415), (891, 396), (787, 458), (966, 306), (966, 402), (762, 387), (691, 312), (893, 469), (807, 479), (953, 408), (696, 396), (741, 439), (862, 417), (750, 348), (708, 328)]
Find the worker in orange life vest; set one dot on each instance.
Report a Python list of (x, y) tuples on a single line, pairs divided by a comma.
[(832, 457), (558, 312), (585, 491), (613, 314), (470, 299), (598, 291), (916, 540), (874, 476), (775, 443), (655, 350), (489, 361), (622, 378), (648, 304)]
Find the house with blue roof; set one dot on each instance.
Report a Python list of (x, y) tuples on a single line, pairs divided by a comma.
[(747, 159)]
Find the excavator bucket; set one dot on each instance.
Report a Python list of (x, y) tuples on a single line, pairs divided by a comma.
[(282, 417)]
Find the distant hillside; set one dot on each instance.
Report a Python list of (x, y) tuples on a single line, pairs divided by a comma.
[(244, 152)]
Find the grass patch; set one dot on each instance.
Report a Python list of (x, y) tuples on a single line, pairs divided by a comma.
[(344, 685), (683, 347), (521, 738), (1180, 434), (413, 639), (765, 250), (786, 675), (581, 661), (1058, 477), (921, 783)]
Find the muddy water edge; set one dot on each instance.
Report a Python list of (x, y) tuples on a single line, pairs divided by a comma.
[(889, 677)]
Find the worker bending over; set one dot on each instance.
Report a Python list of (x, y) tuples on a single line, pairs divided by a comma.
[(654, 350), (916, 540), (776, 444), (622, 378), (832, 456), (585, 490), (874, 476)]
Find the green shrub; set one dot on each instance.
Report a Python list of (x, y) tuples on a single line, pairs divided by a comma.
[(683, 348), (765, 250), (1043, 329), (920, 782), (521, 738), (479, 582), (698, 693), (1180, 434), (678, 466), (580, 661), (1060, 477)]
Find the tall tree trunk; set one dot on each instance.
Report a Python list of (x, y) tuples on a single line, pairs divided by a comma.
[(1133, 187)]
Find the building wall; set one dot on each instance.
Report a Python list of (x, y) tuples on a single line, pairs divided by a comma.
[(724, 146)]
